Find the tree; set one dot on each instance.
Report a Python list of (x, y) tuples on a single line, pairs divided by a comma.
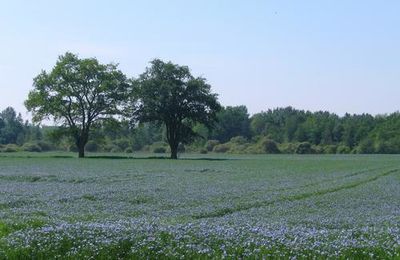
[(167, 93), (11, 127), (232, 121), (77, 93)]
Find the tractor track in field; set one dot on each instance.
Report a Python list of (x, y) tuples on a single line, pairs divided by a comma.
[(326, 180), (243, 207)]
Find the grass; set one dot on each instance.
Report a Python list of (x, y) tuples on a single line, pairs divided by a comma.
[(137, 206)]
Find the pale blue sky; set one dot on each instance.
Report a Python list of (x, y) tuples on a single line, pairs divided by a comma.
[(341, 56)]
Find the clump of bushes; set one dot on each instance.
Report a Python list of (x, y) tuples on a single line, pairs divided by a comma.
[(210, 144), (31, 147), (203, 151), (10, 148), (159, 147), (343, 149), (129, 150), (238, 140), (330, 149), (45, 146), (390, 146), (221, 148), (92, 147), (288, 148), (73, 148), (159, 150), (112, 148), (268, 146), (304, 148), (366, 147), (122, 144)]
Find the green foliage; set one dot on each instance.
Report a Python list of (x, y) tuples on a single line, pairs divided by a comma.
[(203, 151), (318, 128), (169, 94), (288, 148), (304, 148), (221, 148), (122, 144), (330, 149), (45, 146), (31, 147), (92, 146), (211, 144), (128, 150), (11, 127), (159, 147), (343, 149), (366, 146), (11, 148), (78, 93), (232, 121), (268, 146), (73, 148), (237, 145), (159, 150)]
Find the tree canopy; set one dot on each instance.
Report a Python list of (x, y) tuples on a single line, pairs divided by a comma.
[(168, 93), (232, 121), (77, 93), (11, 126)]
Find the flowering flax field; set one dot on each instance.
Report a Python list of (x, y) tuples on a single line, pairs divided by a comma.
[(257, 206)]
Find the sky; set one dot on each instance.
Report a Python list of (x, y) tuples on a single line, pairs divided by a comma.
[(340, 56)]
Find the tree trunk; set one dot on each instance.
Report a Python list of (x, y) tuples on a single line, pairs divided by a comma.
[(81, 143), (81, 151), (173, 139), (174, 151)]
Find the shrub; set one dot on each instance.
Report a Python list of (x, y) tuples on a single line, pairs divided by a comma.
[(203, 151), (116, 149), (366, 146), (343, 149), (31, 147), (92, 146), (211, 144), (137, 146), (129, 150), (112, 148), (122, 143), (391, 146), (237, 148), (221, 148), (159, 149), (45, 146), (146, 148), (317, 149), (304, 148), (330, 149), (11, 148), (269, 146), (254, 149), (238, 140), (288, 148), (73, 148)]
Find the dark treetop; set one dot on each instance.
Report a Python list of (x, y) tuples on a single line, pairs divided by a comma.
[(169, 94)]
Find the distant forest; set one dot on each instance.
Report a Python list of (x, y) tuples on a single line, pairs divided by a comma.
[(280, 130)]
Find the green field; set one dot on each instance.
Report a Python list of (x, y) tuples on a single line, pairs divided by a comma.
[(200, 206)]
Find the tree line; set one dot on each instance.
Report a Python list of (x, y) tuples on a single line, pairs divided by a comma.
[(280, 130), (166, 109)]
